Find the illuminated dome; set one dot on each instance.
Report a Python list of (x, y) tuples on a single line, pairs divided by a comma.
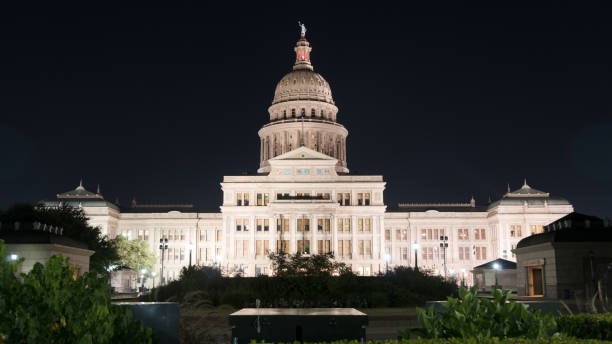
[(303, 84), (303, 114)]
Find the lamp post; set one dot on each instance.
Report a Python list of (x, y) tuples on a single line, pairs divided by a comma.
[(218, 260), (153, 274), (497, 267), (387, 260), (142, 276), (444, 246), (415, 247), (190, 247), (463, 277), (163, 246)]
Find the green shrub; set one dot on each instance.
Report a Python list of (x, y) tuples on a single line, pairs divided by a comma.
[(467, 341), (236, 299), (472, 317), (49, 305), (596, 326)]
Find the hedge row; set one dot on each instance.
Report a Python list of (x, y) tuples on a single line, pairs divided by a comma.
[(468, 341), (401, 287), (596, 326)]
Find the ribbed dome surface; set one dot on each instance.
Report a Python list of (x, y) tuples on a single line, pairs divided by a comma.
[(302, 84)]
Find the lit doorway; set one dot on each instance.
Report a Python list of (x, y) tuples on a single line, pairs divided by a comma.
[(536, 281)]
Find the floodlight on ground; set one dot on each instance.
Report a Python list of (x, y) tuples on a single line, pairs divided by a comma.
[(13, 257)]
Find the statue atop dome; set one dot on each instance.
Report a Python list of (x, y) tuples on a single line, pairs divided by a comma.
[(302, 28)]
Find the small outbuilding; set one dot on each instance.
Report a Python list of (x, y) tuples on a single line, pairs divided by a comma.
[(498, 272), (570, 259), (37, 242)]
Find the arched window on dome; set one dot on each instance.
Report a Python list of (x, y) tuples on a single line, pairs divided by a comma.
[(313, 112), (284, 114), (322, 113), (303, 114), (293, 113)]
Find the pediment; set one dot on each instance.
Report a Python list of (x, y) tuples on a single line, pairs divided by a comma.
[(303, 153)]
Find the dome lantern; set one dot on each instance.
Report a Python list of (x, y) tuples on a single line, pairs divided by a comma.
[(302, 51)]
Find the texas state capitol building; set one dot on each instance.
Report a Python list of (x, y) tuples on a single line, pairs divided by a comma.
[(304, 199)]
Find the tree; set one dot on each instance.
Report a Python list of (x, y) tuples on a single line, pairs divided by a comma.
[(75, 225), (307, 265), (134, 254), (50, 305)]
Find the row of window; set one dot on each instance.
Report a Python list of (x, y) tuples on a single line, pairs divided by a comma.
[(143, 234), (437, 253), (313, 113), (263, 199), (208, 254), (262, 247), (306, 171), (516, 230), (210, 235), (303, 225), (463, 234), (400, 235)]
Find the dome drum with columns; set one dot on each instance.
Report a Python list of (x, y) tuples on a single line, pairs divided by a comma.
[(303, 113)]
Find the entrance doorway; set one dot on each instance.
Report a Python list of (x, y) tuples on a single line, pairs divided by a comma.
[(536, 281)]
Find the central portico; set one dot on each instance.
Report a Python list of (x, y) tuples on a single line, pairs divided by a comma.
[(303, 205)]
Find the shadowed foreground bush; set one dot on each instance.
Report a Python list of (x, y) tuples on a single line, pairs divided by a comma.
[(470, 316), (400, 287), (596, 326), (465, 341), (50, 305)]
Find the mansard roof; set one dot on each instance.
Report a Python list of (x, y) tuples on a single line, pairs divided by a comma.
[(529, 195), (80, 193)]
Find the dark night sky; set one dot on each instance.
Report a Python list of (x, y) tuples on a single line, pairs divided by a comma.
[(446, 101)]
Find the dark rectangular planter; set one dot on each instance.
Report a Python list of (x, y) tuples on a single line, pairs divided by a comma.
[(297, 324), (162, 317)]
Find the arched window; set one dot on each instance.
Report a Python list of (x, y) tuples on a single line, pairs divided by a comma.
[(322, 113), (284, 114), (293, 113), (313, 112), (303, 112)]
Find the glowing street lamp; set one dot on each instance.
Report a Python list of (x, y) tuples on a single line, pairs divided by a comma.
[(142, 276), (190, 247), (463, 277), (497, 267), (13, 257), (153, 274), (387, 260), (415, 247)]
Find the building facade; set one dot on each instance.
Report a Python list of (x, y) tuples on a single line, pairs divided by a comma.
[(303, 198)]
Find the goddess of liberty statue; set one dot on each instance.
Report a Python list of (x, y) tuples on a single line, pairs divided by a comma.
[(303, 28)]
